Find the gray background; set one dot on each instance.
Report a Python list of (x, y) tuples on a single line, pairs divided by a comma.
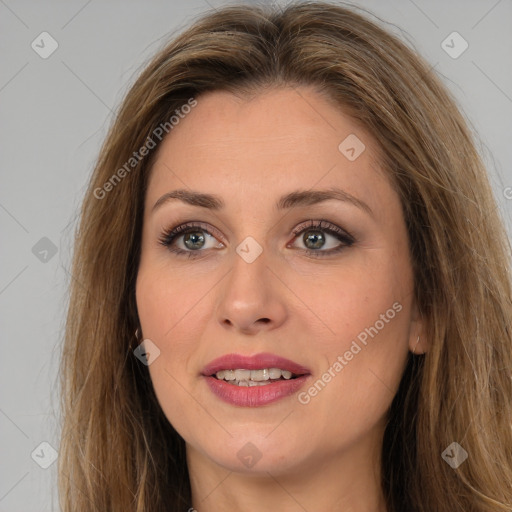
[(54, 114)]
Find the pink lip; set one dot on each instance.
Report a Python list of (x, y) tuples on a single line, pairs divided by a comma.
[(254, 396), (256, 362)]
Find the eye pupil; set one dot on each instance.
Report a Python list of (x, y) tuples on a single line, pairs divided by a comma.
[(190, 239), (316, 237)]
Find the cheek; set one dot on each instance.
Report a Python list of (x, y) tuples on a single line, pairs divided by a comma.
[(165, 298), (354, 297), (365, 312), (168, 312)]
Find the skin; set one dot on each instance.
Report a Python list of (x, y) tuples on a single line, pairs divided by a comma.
[(323, 455)]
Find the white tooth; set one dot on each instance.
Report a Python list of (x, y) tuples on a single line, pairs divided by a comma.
[(229, 375), (259, 375), (274, 373), (249, 383), (242, 374), (251, 378)]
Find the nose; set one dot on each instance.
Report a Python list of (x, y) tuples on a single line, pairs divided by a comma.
[(251, 299)]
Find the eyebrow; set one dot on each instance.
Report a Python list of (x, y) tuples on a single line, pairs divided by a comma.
[(291, 200)]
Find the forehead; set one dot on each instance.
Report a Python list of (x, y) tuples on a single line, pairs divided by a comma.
[(275, 141)]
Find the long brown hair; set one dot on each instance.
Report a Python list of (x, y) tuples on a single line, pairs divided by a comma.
[(118, 452)]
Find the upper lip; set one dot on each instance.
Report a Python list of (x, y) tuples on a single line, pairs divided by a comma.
[(255, 362)]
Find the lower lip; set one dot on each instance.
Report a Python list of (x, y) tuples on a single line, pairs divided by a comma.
[(255, 396)]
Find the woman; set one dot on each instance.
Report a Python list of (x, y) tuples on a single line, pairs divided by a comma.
[(291, 284)]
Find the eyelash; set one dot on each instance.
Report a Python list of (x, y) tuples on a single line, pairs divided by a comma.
[(169, 236)]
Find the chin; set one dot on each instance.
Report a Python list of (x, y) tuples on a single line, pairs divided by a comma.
[(255, 455)]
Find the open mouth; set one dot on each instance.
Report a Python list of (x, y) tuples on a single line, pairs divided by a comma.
[(250, 378), (254, 381)]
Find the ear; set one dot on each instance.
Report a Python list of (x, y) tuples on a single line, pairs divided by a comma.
[(418, 343)]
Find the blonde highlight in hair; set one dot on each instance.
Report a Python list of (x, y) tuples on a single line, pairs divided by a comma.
[(118, 451)]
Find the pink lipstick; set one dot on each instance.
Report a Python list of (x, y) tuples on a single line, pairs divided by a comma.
[(253, 381)]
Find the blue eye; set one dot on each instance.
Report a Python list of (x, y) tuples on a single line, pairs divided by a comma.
[(194, 238), (316, 234)]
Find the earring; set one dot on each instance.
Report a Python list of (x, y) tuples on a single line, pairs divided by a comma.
[(414, 349), (137, 334)]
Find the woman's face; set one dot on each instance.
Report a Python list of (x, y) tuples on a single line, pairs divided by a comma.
[(274, 269)]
